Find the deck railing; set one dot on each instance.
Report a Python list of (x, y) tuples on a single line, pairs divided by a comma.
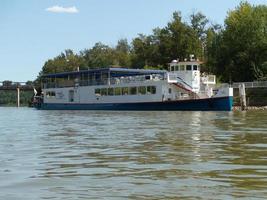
[(255, 84), (107, 81)]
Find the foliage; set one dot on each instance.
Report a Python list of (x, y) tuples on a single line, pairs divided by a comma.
[(10, 97), (242, 46)]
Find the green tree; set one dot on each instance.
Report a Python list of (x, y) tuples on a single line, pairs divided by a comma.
[(122, 54), (66, 61), (99, 56), (145, 51), (199, 25), (178, 40), (243, 46)]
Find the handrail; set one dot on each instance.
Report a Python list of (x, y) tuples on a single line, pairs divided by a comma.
[(254, 84), (106, 81)]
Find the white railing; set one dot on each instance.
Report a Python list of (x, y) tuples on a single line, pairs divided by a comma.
[(209, 79), (255, 84), (107, 81), (172, 78)]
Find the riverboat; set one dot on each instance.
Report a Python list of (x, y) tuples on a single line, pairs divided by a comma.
[(182, 87)]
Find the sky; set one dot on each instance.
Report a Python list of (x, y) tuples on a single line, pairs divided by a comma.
[(33, 31)]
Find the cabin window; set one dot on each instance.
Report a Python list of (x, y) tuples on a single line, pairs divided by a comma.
[(195, 67), (97, 76), (182, 68), (117, 91), (110, 91), (97, 91), (50, 94), (170, 90), (133, 90), (104, 76), (176, 68), (142, 90), (125, 91), (148, 77), (151, 90), (188, 67), (148, 89), (103, 91)]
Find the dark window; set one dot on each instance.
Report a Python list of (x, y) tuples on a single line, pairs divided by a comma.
[(110, 91), (148, 89), (195, 67), (117, 91), (170, 90), (188, 67), (182, 68), (142, 90), (133, 90), (97, 91), (103, 91), (151, 89), (50, 94), (148, 77), (125, 91)]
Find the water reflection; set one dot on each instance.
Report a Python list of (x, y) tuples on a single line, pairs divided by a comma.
[(134, 155)]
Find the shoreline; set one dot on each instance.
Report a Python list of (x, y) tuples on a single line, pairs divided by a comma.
[(235, 108), (238, 108)]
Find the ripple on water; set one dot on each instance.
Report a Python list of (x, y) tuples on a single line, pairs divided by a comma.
[(132, 155)]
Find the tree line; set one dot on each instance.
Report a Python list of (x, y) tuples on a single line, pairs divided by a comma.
[(9, 98), (235, 51)]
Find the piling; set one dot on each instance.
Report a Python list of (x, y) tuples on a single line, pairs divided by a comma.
[(242, 95), (18, 97)]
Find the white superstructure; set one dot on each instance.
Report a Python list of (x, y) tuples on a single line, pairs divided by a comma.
[(119, 86)]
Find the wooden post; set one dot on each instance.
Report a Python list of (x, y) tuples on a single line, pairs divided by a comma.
[(242, 94), (18, 97)]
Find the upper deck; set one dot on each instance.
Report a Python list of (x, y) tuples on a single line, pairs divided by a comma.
[(105, 76)]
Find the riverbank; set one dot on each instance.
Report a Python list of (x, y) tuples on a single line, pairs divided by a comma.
[(238, 108)]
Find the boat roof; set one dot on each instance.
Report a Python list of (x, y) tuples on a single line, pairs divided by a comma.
[(113, 71), (187, 62)]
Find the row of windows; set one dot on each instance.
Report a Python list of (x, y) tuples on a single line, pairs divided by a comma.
[(184, 68), (142, 90)]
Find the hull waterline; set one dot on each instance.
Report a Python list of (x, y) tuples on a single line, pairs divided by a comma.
[(209, 104)]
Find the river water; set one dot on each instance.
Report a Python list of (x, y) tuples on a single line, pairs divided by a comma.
[(132, 155)]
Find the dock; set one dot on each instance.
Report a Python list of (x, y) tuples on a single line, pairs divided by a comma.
[(250, 94), (15, 86)]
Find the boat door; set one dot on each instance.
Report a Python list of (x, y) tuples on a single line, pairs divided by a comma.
[(71, 95), (74, 95), (169, 94)]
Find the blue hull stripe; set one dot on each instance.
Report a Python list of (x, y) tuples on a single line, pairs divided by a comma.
[(211, 104)]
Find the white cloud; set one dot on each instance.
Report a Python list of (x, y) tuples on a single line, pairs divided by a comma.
[(60, 9)]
